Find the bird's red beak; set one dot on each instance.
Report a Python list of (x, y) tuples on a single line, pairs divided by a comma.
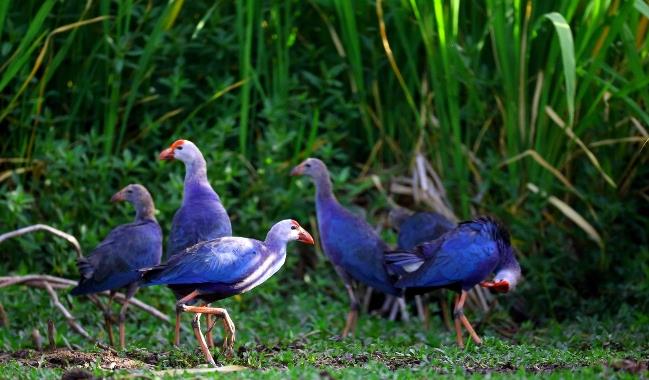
[(501, 286), (167, 154), (305, 237), (118, 197), (298, 170)]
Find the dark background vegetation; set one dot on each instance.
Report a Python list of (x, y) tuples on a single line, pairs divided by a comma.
[(524, 117)]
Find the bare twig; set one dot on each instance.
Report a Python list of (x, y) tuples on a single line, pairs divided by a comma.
[(4, 321), (37, 339), (69, 317), (40, 281), (51, 332), (43, 227)]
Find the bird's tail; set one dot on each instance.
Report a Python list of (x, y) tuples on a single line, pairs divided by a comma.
[(148, 274), (403, 262), (85, 267)]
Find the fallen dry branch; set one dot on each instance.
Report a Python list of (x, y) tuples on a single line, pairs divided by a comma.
[(68, 316), (43, 227), (44, 281)]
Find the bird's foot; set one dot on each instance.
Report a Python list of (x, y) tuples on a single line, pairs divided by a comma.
[(501, 286)]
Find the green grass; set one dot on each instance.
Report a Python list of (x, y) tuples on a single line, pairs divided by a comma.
[(533, 111), (291, 330)]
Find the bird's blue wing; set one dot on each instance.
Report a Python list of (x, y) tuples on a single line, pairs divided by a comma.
[(225, 260), (114, 262), (464, 257)]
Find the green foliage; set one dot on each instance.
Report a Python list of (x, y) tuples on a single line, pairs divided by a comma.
[(498, 96)]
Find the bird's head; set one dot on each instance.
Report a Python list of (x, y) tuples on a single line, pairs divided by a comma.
[(136, 194), (289, 230), (183, 150), (509, 274), (311, 167)]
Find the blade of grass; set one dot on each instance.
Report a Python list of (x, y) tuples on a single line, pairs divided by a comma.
[(568, 58)]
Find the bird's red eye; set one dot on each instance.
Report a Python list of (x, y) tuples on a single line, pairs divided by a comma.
[(179, 148), (294, 227)]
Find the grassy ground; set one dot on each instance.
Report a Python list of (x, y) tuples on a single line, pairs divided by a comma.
[(293, 332)]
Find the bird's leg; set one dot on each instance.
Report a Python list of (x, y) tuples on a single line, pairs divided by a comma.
[(229, 336), (421, 312), (401, 302), (108, 318), (367, 298), (196, 325), (208, 333), (458, 324), (130, 292), (352, 316), (179, 311), (461, 318), (387, 304), (444, 311)]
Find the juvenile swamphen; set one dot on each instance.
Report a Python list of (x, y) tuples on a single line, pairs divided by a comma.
[(201, 216), (351, 244), (220, 268), (113, 264), (417, 228), (459, 260)]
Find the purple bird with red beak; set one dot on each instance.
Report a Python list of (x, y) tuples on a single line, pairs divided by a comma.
[(349, 242), (201, 216), (216, 269), (458, 260), (113, 264)]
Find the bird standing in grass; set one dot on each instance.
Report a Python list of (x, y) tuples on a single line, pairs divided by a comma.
[(351, 244), (201, 216), (220, 268), (459, 260), (113, 264)]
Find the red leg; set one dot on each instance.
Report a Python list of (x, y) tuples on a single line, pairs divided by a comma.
[(229, 336), (130, 292), (460, 318), (208, 333), (458, 325), (179, 311)]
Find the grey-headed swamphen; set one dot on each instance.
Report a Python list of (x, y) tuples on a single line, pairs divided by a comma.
[(220, 268), (459, 260), (201, 216), (113, 264), (349, 242)]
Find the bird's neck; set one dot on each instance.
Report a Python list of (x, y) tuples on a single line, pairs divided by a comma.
[(196, 171), (196, 183), (145, 211), (323, 189), (275, 244)]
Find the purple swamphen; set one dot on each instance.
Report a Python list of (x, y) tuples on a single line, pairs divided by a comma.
[(216, 269), (201, 216), (351, 244), (113, 264), (459, 260)]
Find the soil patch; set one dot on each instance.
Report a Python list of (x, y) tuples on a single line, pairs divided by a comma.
[(65, 358)]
